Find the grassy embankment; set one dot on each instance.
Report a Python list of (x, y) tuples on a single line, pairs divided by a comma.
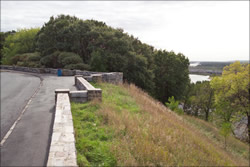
[(129, 128)]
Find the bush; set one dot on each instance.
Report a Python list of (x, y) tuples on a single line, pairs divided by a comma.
[(74, 59), (64, 58), (27, 59), (225, 130), (174, 105), (78, 66), (34, 56), (51, 60)]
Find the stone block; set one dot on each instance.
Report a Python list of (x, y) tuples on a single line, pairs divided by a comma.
[(76, 77), (95, 94), (66, 72), (88, 78), (81, 93), (62, 91), (96, 77), (53, 71)]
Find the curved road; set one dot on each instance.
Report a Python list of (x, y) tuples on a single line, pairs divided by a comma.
[(16, 90), (29, 142)]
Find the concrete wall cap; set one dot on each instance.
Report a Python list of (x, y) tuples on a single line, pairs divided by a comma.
[(78, 91), (62, 91), (78, 75)]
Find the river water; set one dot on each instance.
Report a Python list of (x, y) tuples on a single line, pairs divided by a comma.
[(194, 78)]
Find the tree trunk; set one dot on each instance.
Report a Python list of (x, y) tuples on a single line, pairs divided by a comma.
[(196, 112), (225, 142), (207, 112)]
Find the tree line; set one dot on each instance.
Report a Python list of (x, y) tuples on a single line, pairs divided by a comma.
[(69, 42)]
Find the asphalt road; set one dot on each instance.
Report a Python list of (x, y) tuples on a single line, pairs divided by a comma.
[(28, 144), (16, 90)]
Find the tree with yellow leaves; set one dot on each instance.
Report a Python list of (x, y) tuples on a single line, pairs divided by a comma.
[(232, 92)]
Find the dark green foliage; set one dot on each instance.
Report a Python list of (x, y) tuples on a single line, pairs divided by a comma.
[(137, 72), (171, 75), (3, 36), (199, 99), (97, 61), (78, 66), (51, 60), (63, 60), (34, 57), (68, 42), (64, 33), (73, 59)]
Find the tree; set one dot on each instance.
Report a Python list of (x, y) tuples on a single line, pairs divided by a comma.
[(65, 34), (63, 60), (232, 91), (171, 75), (201, 99), (225, 131), (174, 105), (23, 41), (97, 61)]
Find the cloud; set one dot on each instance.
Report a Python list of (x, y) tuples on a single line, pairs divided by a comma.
[(201, 30)]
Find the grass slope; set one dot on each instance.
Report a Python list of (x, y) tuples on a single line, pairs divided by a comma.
[(129, 128)]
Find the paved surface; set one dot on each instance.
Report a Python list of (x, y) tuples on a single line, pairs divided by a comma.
[(16, 90), (28, 144)]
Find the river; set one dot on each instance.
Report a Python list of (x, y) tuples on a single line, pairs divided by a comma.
[(194, 78)]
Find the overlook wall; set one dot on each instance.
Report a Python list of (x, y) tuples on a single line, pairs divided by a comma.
[(111, 77)]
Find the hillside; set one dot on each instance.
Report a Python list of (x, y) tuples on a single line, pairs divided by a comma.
[(130, 128)]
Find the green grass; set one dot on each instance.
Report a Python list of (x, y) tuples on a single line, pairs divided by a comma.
[(93, 137), (129, 128), (92, 140), (117, 97)]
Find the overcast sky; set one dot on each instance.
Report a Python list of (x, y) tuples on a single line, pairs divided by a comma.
[(202, 31)]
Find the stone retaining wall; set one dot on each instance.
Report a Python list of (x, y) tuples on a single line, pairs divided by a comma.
[(80, 96), (92, 92), (112, 77), (62, 148)]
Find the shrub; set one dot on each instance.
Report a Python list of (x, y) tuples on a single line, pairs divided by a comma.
[(51, 60), (63, 58), (225, 131), (74, 59), (174, 105), (34, 56), (78, 66), (27, 59)]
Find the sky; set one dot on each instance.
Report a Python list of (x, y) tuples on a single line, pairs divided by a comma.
[(201, 30)]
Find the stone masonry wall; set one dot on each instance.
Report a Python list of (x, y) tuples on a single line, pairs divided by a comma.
[(111, 77), (62, 148), (92, 92)]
